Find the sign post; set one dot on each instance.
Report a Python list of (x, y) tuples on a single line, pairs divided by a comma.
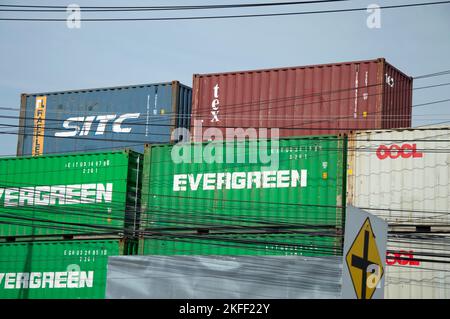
[(364, 255)]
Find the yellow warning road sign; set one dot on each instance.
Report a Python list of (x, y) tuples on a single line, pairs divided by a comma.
[(364, 262)]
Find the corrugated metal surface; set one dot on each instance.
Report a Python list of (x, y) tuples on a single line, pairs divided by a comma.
[(70, 194), (403, 175), (57, 269), (224, 277), (403, 172), (98, 119), (299, 189), (306, 100), (414, 269), (396, 107), (286, 244)]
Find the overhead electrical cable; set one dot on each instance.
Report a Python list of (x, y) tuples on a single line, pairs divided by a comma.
[(315, 94), (54, 8), (234, 16)]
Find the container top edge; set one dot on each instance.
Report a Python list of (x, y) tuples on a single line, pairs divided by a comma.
[(123, 87), (289, 67), (78, 153), (402, 129), (399, 71), (49, 241), (301, 137)]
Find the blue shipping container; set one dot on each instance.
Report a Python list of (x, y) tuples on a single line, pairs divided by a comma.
[(101, 119)]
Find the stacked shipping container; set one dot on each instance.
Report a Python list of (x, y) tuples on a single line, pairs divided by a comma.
[(103, 118), (46, 200), (200, 206), (195, 201), (56, 195), (95, 196), (307, 100), (403, 176), (418, 267), (256, 197), (403, 172), (58, 269)]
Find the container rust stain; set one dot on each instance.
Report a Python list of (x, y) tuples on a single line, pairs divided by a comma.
[(307, 100)]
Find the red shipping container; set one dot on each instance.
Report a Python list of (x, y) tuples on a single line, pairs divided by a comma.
[(305, 100)]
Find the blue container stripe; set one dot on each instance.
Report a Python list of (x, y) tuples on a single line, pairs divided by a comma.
[(153, 102)]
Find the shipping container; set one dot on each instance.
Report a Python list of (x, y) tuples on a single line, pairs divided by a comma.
[(273, 244), (102, 118), (305, 100), (401, 175), (418, 267), (294, 185), (58, 269), (74, 194)]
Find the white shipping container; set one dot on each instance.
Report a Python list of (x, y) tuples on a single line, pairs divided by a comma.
[(418, 268), (405, 173), (403, 177)]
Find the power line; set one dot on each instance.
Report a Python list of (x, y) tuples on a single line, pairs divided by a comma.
[(259, 103), (153, 232), (312, 95), (250, 150), (309, 95), (293, 228), (50, 8), (231, 16), (254, 236), (326, 137), (141, 123), (152, 210)]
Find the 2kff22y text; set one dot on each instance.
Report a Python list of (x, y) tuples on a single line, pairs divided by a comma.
[(224, 309)]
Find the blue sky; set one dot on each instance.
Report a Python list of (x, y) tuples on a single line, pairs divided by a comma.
[(47, 56)]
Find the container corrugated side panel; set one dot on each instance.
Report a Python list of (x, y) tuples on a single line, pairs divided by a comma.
[(397, 98), (52, 257), (413, 278), (258, 209), (22, 117), (104, 215), (408, 189), (184, 106), (236, 244), (309, 100), (153, 103), (134, 185)]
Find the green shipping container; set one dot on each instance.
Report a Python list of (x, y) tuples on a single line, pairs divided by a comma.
[(254, 186), (239, 244), (71, 194), (74, 269)]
